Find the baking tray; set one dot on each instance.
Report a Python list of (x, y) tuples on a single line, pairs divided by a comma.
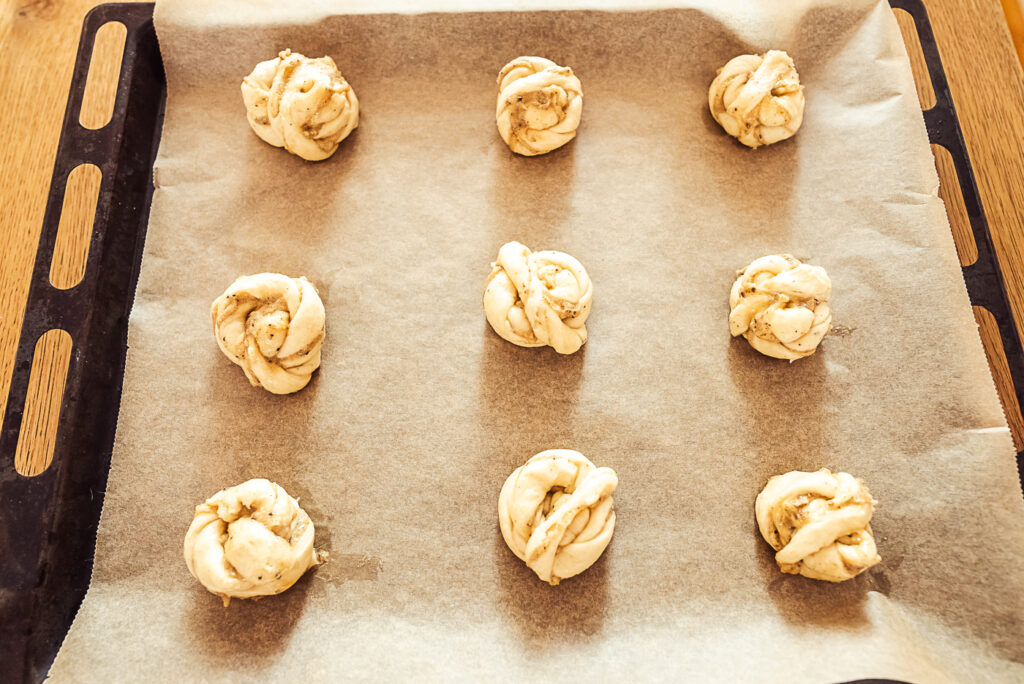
[(48, 522)]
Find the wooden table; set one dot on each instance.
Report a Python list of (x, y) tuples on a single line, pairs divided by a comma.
[(39, 39)]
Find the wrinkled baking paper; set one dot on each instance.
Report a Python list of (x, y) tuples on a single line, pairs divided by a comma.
[(401, 442)]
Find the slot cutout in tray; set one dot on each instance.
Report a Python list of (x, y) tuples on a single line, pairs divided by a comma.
[(46, 384), (104, 74), (956, 211), (918, 64), (74, 231)]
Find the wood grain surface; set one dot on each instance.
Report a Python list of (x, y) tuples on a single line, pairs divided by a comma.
[(1014, 11), (39, 40)]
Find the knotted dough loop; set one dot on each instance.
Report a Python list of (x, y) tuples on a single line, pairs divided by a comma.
[(539, 105), (301, 104), (273, 327), (535, 299), (758, 99), (780, 305), (556, 513), (819, 524), (250, 540)]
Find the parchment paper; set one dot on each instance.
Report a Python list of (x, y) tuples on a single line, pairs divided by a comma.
[(400, 444)]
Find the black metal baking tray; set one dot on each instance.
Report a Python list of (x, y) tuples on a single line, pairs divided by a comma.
[(984, 278), (48, 522)]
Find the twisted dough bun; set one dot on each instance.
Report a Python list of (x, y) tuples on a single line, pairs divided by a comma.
[(781, 306), (556, 513), (303, 105), (538, 298), (539, 105), (758, 99), (249, 541), (273, 327), (818, 523)]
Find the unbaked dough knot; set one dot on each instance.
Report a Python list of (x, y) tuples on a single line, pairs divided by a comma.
[(758, 99), (819, 524), (541, 298), (781, 306), (301, 104), (556, 513), (250, 540), (539, 105), (273, 327)]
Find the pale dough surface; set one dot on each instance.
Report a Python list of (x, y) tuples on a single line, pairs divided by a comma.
[(781, 306), (758, 99), (534, 299), (557, 514), (272, 326), (301, 104), (249, 540), (539, 105), (819, 524)]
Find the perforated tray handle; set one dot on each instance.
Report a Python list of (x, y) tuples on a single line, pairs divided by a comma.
[(48, 522), (984, 279)]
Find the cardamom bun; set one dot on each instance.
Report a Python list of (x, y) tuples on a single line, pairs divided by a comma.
[(272, 326), (781, 306), (539, 105), (250, 540), (819, 524), (301, 104), (556, 513), (534, 299), (758, 99)]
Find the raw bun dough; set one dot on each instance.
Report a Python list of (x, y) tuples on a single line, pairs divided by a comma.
[(273, 327), (819, 524), (539, 105), (758, 99), (249, 541), (556, 513), (535, 299), (780, 306), (303, 105)]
